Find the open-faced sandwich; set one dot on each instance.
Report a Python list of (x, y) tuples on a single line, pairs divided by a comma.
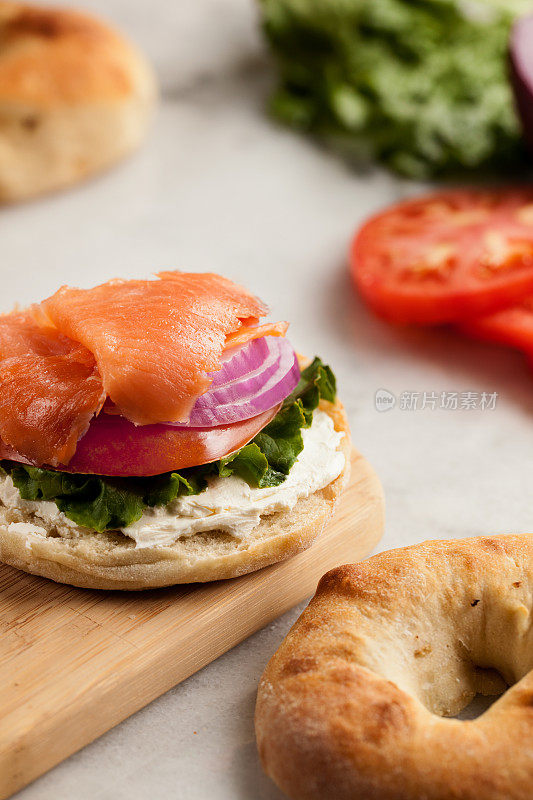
[(154, 432)]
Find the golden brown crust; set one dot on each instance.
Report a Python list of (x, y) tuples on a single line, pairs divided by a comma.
[(52, 56), (347, 706), (111, 561), (74, 97)]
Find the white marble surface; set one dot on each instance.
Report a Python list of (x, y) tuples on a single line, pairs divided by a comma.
[(219, 187)]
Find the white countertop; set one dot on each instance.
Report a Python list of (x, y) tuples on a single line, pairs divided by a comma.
[(220, 187)]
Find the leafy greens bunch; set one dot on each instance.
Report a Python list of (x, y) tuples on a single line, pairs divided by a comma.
[(421, 85), (104, 503)]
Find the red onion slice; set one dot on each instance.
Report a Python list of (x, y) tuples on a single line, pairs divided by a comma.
[(241, 360), (257, 377), (230, 390)]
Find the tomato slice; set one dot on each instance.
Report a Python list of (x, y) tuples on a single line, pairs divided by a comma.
[(447, 257), (115, 446), (512, 326)]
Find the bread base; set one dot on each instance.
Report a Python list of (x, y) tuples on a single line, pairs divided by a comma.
[(111, 561)]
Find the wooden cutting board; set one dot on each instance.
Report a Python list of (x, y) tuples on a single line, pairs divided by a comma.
[(75, 662)]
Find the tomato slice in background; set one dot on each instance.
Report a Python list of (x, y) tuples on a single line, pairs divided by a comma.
[(447, 257), (512, 326), (115, 446)]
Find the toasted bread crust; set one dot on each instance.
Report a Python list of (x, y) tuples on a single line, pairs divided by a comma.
[(111, 561), (346, 707), (74, 98)]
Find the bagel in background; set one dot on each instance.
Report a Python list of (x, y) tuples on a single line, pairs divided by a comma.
[(347, 706), (75, 97)]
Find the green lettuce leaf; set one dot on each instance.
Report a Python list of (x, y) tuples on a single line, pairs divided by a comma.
[(96, 502), (268, 459), (103, 503)]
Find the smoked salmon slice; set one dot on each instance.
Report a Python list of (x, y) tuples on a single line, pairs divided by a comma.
[(154, 341), (249, 332), (50, 389)]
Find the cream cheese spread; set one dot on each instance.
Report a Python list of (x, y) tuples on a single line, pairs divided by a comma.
[(44, 514), (231, 505), (228, 504)]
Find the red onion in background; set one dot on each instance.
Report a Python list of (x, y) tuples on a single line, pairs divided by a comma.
[(521, 58)]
